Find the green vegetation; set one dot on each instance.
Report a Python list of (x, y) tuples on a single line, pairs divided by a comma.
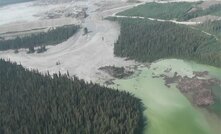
[(212, 27), (41, 49), (7, 2), (146, 40), (85, 31), (52, 37), (160, 10), (32, 103), (31, 49), (175, 10), (212, 10)]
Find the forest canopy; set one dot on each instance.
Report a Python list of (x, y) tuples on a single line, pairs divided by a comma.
[(173, 10), (212, 10), (213, 27), (148, 41), (51, 37), (33, 103)]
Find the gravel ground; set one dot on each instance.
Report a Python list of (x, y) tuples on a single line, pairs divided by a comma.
[(82, 55)]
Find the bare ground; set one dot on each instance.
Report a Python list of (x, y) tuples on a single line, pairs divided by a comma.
[(80, 55), (207, 4), (205, 18)]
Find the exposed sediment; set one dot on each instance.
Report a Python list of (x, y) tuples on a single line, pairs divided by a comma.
[(117, 72), (199, 87)]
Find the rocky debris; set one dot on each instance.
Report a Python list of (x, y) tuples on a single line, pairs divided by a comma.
[(117, 72), (170, 80), (155, 76), (204, 97), (64, 11), (76, 13), (168, 70), (155, 68), (52, 15), (200, 74), (200, 90), (109, 82), (58, 63)]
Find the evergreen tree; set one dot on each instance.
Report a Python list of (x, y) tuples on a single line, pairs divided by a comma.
[(33, 103), (146, 40), (52, 37)]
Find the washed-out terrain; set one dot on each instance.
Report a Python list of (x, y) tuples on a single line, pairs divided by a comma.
[(87, 57)]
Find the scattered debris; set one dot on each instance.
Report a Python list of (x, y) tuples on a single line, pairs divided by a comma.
[(85, 31), (16, 51), (109, 82), (201, 74), (65, 11), (200, 90), (117, 72), (58, 63), (41, 49), (31, 49), (168, 70)]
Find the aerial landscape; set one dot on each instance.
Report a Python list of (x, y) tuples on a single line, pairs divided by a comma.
[(110, 67)]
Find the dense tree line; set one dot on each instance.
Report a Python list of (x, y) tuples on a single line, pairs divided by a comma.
[(146, 40), (32, 103), (212, 10), (172, 10), (213, 27), (7, 2), (165, 11), (52, 37)]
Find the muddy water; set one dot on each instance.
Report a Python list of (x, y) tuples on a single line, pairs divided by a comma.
[(169, 111)]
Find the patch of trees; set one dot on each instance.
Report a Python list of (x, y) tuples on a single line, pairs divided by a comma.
[(213, 27), (165, 11), (32, 103), (145, 40), (173, 10), (212, 10), (85, 31), (41, 49), (30, 50), (7, 2), (52, 37)]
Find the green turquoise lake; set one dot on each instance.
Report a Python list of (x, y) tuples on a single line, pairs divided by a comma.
[(167, 109)]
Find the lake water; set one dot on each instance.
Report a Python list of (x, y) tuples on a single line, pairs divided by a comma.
[(168, 110)]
